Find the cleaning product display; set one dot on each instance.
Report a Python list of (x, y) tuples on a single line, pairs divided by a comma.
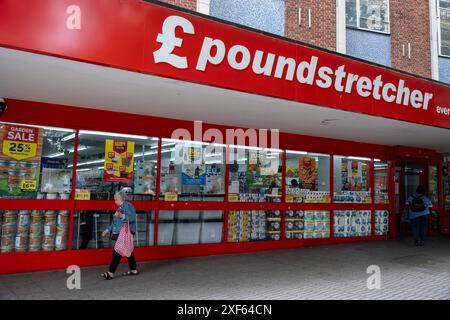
[(35, 230), (298, 195), (353, 197), (352, 223), (381, 222), (381, 197), (254, 225)]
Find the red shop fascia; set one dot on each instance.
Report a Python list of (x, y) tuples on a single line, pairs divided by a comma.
[(164, 41)]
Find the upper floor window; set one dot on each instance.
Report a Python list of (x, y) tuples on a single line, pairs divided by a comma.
[(444, 29), (372, 15)]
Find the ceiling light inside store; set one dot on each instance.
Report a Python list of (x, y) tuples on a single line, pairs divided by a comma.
[(110, 134), (359, 158)]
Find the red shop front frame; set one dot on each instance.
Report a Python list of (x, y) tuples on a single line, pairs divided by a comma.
[(87, 119)]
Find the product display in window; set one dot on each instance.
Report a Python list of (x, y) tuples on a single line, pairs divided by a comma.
[(254, 225), (307, 177), (25, 152), (351, 180), (192, 172), (109, 162), (381, 183), (352, 223), (381, 222), (34, 230), (255, 176)]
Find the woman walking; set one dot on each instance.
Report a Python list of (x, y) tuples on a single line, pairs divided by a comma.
[(126, 213)]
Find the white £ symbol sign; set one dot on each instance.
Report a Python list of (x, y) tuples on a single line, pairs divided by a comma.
[(170, 41)]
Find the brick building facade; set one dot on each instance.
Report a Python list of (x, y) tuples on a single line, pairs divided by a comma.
[(321, 31), (410, 36)]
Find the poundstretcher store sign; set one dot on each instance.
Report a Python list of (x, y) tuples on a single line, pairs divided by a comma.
[(154, 39)]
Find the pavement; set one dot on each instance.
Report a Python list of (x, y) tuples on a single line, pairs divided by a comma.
[(320, 272)]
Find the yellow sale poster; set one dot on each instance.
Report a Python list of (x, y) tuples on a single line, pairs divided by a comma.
[(119, 161)]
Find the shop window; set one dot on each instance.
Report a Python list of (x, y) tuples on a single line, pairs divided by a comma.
[(109, 162), (35, 162), (89, 225), (381, 222), (444, 28), (34, 230), (433, 184), (190, 227), (372, 15), (254, 225), (307, 224), (255, 175), (192, 171), (352, 224), (381, 182), (446, 183), (307, 177), (351, 180)]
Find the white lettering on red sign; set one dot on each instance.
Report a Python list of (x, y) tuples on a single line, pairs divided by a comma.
[(169, 42), (239, 57), (21, 134)]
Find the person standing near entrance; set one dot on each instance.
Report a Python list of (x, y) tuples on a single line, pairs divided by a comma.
[(126, 213), (419, 211)]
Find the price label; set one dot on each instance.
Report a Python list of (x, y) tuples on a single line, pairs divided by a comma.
[(28, 185), (19, 150), (233, 198), (170, 197), (368, 200), (326, 199), (83, 195), (289, 199)]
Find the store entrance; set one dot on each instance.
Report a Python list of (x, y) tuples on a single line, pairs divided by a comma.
[(408, 176)]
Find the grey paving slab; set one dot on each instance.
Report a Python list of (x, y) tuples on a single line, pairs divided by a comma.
[(325, 272)]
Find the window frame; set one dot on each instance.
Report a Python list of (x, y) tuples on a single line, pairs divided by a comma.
[(439, 31), (358, 21)]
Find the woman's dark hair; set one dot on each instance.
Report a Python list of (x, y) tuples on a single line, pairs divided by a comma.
[(420, 190)]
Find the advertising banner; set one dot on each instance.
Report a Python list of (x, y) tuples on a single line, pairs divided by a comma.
[(119, 161)]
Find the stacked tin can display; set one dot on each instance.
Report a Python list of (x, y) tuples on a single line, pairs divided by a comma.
[(352, 223), (35, 230), (381, 222)]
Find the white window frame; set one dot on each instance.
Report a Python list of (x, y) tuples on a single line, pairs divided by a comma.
[(358, 21), (439, 36)]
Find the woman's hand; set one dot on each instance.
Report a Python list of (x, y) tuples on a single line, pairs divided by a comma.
[(105, 233), (118, 214)]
